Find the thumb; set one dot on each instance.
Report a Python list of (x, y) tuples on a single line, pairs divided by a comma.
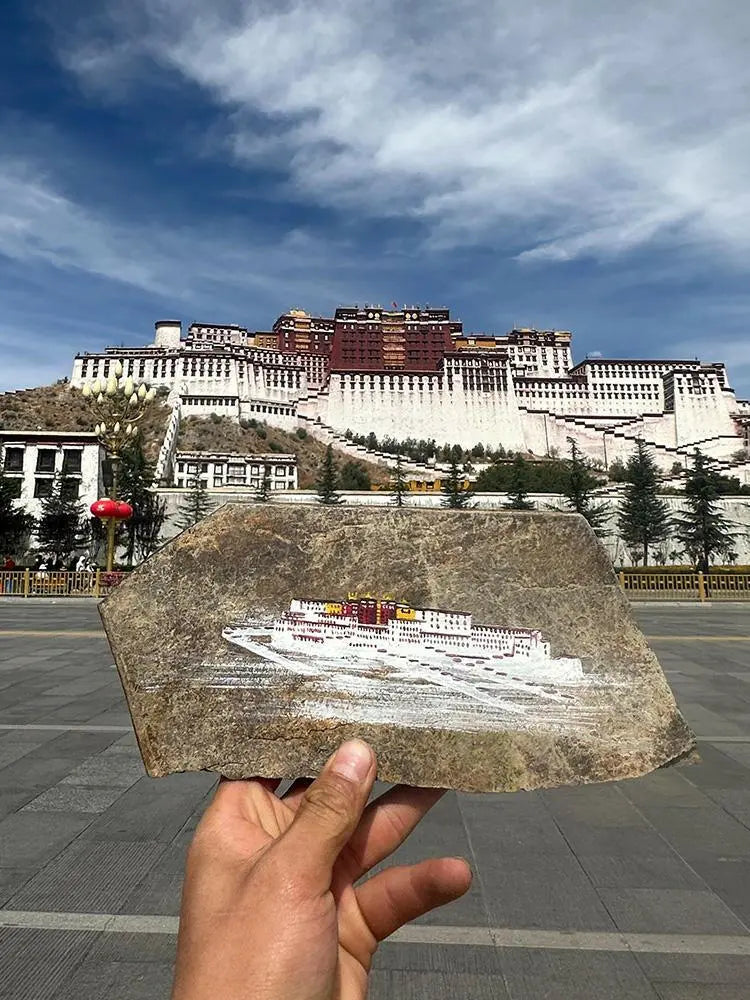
[(329, 812)]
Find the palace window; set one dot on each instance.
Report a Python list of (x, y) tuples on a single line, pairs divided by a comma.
[(42, 487), (45, 460), (72, 461), (13, 460)]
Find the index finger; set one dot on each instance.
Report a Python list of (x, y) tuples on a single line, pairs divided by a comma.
[(385, 825)]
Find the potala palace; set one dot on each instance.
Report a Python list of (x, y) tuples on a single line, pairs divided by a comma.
[(413, 372)]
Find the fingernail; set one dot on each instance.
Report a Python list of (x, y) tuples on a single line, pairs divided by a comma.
[(352, 760)]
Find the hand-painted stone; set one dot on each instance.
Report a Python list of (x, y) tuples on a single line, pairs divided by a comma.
[(484, 650)]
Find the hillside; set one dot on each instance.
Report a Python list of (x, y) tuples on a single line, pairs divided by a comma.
[(59, 408), (222, 434)]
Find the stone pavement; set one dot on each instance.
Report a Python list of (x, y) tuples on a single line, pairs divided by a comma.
[(615, 892)]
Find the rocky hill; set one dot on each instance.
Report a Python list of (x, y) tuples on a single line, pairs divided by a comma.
[(253, 437), (58, 407)]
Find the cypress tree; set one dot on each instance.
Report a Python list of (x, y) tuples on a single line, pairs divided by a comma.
[(63, 525), (454, 495), (399, 487), (328, 481), (263, 493), (15, 523), (644, 519), (701, 527), (579, 488), (136, 483), (518, 492), (195, 504)]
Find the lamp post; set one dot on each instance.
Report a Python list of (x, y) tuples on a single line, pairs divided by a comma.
[(119, 404)]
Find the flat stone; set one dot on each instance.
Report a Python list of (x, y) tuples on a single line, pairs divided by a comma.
[(257, 641)]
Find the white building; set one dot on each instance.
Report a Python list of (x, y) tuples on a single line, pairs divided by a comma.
[(519, 390), (32, 459), (217, 470)]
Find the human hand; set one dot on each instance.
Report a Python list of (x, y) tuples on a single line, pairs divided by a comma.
[(270, 909)]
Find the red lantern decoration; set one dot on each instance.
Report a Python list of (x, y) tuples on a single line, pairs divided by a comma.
[(104, 508), (124, 510)]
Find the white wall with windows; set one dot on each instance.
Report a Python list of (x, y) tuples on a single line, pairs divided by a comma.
[(31, 460), (220, 470)]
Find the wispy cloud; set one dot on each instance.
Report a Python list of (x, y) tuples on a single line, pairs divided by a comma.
[(562, 130)]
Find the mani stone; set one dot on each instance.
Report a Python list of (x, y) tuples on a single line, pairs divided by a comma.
[(473, 649)]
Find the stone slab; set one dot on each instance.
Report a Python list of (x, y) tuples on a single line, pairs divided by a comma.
[(558, 686)]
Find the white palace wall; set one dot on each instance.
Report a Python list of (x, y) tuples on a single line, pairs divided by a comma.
[(519, 399)]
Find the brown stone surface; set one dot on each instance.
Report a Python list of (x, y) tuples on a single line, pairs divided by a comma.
[(199, 702)]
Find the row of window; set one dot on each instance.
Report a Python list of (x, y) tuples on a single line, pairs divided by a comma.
[(45, 460), (71, 488)]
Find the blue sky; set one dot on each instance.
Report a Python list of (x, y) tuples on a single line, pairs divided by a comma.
[(582, 165)]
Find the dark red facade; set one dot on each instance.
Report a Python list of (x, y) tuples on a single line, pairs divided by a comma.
[(375, 339)]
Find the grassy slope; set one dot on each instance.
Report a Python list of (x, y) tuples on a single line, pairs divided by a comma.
[(222, 434)]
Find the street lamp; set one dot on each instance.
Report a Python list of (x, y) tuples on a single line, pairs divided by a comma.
[(120, 404)]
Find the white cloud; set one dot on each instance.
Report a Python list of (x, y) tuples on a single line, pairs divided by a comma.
[(571, 129)]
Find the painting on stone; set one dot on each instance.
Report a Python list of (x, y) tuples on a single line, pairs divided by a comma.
[(483, 650)]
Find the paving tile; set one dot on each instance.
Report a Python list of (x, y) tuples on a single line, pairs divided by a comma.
[(729, 878), (473, 959), (700, 991), (11, 752), (139, 948), (13, 799), (717, 769), (640, 871), (75, 744), (32, 838), (35, 963), (153, 808), (701, 832), (620, 841), (596, 805), (115, 770), (74, 799), (89, 877), (389, 984), (120, 980), (542, 892), (33, 771), (735, 801), (667, 787), (670, 911), (11, 880), (157, 892), (531, 974), (511, 825), (710, 969)]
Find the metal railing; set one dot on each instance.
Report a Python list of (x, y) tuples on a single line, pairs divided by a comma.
[(57, 583), (685, 586)]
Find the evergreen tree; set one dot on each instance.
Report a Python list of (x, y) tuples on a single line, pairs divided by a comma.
[(149, 521), (263, 493), (328, 481), (578, 490), (354, 476), (135, 484), (195, 504), (399, 486), (701, 527), (643, 519), (454, 495), (518, 493), (15, 523), (63, 525)]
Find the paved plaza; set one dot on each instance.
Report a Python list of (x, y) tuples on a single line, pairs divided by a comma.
[(626, 891)]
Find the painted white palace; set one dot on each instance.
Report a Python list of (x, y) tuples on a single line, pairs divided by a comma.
[(413, 372)]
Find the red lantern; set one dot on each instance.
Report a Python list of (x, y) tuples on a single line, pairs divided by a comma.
[(124, 510), (104, 508)]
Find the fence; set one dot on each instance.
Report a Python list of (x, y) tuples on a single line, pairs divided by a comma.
[(686, 586), (53, 583), (637, 586)]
